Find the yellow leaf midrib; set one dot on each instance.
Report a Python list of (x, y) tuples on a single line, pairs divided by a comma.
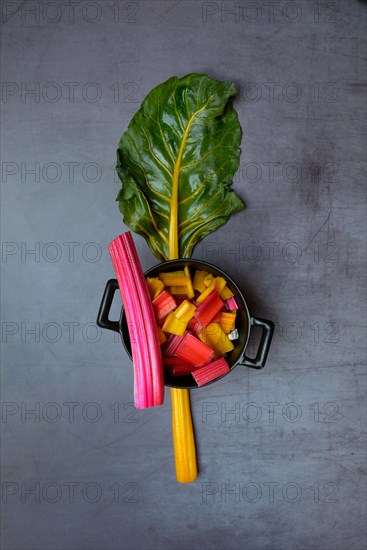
[(173, 224)]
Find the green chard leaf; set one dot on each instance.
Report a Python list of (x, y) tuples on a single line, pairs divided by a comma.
[(176, 163)]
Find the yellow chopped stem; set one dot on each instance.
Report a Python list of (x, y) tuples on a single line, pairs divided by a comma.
[(198, 283), (215, 337), (227, 321), (190, 289), (155, 287), (177, 290), (173, 325), (206, 293), (183, 436), (185, 311), (225, 293), (174, 278)]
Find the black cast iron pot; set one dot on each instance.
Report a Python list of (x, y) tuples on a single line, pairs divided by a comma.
[(244, 322)]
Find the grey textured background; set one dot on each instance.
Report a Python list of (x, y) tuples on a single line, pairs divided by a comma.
[(301, 105)]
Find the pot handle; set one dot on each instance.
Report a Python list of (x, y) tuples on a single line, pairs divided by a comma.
[(267, 334), (104, 310)]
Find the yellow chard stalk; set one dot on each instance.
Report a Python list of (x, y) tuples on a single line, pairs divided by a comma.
[(183, 436), (176, 163)]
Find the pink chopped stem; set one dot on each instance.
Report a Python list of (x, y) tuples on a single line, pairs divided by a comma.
[(191, 349), (210, 372), (174, 362), (182, 370), (195, 326), (209, 308), (172, 344), (217, 318), (231, 304)]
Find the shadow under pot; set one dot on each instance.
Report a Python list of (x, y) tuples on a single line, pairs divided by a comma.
[(244, 322)]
